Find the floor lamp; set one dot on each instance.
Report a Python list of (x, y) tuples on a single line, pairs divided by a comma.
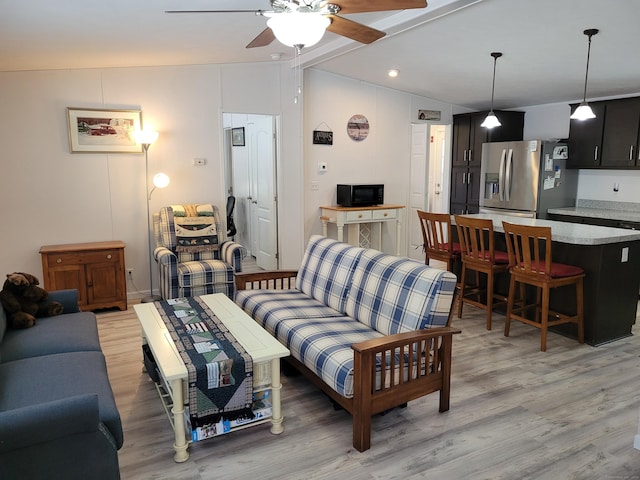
[(146, 138)]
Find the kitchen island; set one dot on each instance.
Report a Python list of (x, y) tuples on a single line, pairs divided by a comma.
[(610, 258)]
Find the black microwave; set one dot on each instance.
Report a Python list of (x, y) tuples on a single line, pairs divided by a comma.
[(360, 195)]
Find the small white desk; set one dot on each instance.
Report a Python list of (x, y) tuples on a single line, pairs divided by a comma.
[(263, 348), (359, 221)]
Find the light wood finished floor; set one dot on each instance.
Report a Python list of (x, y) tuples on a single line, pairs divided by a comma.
[(516, 413)]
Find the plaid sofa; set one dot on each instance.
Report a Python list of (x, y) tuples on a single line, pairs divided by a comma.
[(186, 273), (347, 296)]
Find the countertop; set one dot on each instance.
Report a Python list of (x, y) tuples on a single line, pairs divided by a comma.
[(572, 233), (623, 215)]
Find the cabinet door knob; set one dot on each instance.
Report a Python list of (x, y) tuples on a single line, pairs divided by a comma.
[(360, 216), (58, 260), (386, 214), (109, 256)]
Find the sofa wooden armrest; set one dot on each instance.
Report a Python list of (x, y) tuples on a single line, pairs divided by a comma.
[(392, 370), (276, 279)]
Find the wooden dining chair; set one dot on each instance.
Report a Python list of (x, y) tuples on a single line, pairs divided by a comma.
[(479, 255), (438, 243), (530, 263)]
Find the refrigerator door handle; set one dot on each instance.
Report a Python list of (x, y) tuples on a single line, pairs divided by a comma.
[(501, 176), (508, 175)]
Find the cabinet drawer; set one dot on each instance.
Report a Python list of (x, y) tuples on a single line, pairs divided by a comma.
[(384, 214), (76, 258), (359, 216)]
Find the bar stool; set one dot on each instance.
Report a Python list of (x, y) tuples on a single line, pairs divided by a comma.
[(530, 263), (479, 255), (436, 235)]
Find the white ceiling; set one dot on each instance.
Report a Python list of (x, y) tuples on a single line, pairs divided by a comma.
[(442, 52)]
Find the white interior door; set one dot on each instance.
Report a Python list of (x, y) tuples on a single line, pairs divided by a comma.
[(262, 144), (417, 188)]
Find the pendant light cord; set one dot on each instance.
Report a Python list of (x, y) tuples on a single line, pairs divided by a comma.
[(496, 56), (586, 73)]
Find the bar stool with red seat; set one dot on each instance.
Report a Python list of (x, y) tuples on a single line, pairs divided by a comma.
[(479, 255), (436, 235), (530, 262)]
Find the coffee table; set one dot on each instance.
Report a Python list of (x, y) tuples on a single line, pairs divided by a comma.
[(265, 352)]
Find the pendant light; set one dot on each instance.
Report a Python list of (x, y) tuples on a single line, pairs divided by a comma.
[(584, 112), (492, 121)]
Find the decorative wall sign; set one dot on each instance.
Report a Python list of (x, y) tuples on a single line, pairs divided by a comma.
[(358, 127), (237, 137), (321, 137), (94, 130), (429, 115)]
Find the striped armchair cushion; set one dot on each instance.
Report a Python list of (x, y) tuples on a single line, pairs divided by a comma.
[(326, 271), (394, 295)]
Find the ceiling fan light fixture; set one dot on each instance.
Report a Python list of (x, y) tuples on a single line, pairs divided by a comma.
[(492, 121), (298, 29), (584, 112)]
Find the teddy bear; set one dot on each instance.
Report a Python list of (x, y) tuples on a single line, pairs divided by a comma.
[(24, 301)]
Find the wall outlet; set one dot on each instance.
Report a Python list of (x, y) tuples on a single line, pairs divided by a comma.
[(130, 273), (315, 186)]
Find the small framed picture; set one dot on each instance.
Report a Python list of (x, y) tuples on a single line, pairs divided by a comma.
[(237, 137), (94, 130)]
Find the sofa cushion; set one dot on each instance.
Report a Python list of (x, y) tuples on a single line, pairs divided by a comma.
[(324, 346), (31, 381), (72, 332), (269, 307), (394, 295), (326, 271)]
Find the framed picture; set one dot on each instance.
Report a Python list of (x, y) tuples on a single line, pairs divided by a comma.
[(103, 131), (237, 137)]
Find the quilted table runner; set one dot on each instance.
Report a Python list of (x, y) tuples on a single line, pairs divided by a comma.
[(220, 370)]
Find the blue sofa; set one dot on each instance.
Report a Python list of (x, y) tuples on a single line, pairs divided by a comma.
[(58, 416), (370, 329)]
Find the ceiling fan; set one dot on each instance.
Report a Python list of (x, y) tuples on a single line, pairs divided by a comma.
[(302, 23)]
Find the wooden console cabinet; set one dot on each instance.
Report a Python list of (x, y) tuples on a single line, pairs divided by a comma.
[(95, 269)]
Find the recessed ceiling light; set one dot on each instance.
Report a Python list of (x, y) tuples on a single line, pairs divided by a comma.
[(393, 73)]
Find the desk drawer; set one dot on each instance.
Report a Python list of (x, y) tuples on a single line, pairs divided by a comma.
[(359, 216), (385, 214)]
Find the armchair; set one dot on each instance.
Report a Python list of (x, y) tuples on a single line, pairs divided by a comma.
[(193, 254)]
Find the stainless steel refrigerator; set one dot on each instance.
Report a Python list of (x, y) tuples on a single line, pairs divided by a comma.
[(526, 178)]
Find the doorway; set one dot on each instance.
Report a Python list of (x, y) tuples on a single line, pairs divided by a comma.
[(428, 179), (250, 150)]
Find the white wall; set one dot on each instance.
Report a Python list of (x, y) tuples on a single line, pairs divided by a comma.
[(383, 157), (51, 196), (552, 121)]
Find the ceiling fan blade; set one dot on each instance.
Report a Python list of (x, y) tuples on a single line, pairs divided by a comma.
[(215, 11), (262, 40), (354, 30), (361, 6)]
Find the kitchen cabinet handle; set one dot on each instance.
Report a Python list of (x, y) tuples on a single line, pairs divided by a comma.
[(595, 154), (464, 178), (470, 155), (631, 153), (469, 178), (464, 157)]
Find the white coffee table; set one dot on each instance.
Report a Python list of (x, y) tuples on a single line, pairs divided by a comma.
[(265, 352)]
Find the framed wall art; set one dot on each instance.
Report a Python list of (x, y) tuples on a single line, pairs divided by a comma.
[(103, 131), (237, 137)]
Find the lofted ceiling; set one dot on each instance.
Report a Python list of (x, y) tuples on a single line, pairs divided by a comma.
[(442, 52)]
